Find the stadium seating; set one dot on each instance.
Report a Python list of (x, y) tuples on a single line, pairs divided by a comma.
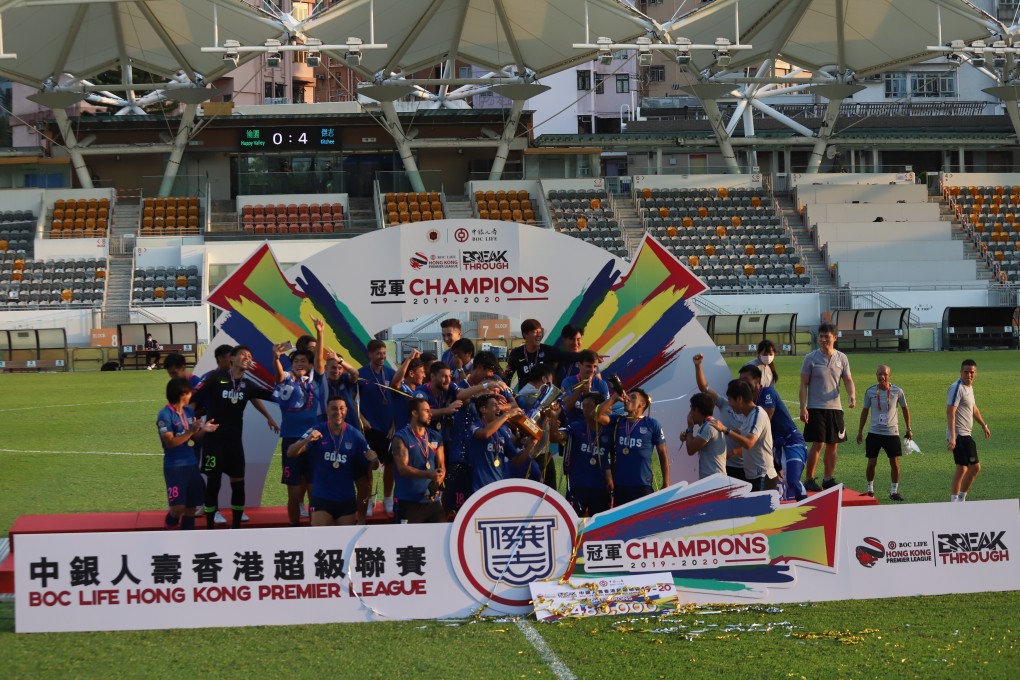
[(731, 237), (587, 214), (506, 205), (991, 216), (177, 285), (292, 218), (173, 216), (17, 230), (407, 207), (51, 283), (79, 218)]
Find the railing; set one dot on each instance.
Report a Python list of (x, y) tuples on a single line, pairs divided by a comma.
[(909, 108)]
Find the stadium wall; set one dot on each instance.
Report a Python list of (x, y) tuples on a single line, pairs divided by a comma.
[(861, 193), (818, 213), (865, 232)]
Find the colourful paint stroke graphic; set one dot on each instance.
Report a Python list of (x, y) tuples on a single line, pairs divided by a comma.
[(713, 535), (633, 318), (265, 308)]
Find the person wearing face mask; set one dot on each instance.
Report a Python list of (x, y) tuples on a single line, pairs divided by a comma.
[(765, 361)]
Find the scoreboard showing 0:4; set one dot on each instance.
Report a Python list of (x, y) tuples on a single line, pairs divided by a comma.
[(289, 138)]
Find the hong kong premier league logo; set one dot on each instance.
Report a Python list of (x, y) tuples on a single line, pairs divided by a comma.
[(507, 535), (517, 552)]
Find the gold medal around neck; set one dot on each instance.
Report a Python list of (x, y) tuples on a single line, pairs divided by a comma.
[(626, 450), (593, 460), (428, 466), (233, 400), (495, 463), (336, 465)]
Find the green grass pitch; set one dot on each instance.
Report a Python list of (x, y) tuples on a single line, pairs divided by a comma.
[(83, 442)]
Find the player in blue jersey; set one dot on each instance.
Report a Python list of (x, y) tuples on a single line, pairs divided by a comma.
[(635, 436), (442, 397), (462, 353), (492, 443), (374, 391), (586, 460), (406, 381), (299, 393), (549, 420), (450, 331), (340, 456), (178, 430), (482, 379), (418, 461), (576, 386), (226, 395), (341, 380)]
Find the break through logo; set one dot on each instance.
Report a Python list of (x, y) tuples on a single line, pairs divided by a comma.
[(484, 259), (972, 547), (517, 552)]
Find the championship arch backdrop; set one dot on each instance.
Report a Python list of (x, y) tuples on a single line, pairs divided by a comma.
[(637, 313), (516, 547)]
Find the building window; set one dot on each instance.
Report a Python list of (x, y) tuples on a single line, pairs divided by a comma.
[(465, 72), (933, 84), (921, 84), (622, 83), (268, 91), (656, 74), (583, 80), (281, 90), (600, 87)]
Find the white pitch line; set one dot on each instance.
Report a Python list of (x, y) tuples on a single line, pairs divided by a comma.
[(554, 662), (91, 403), (94, 453)]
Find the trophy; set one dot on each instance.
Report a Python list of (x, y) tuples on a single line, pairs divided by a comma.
[(525, 422)]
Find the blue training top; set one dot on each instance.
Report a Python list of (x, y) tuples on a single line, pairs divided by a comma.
[(784, 430), (299, 400), (168, 420), (376, 397), (587, 454)]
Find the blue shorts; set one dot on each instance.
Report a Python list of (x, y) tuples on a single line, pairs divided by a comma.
[(297, 469), (336, 509), (791, 452), (184, 486)]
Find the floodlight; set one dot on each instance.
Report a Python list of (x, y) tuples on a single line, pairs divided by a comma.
[(273, 56), (353, 54), (231, 53), (605, 53), (999, 60), (978, 58), (683, 54), (312, 52), (722, 52), (644, 51)]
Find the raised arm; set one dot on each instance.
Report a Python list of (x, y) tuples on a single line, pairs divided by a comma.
[(699, 377), (320, 347)]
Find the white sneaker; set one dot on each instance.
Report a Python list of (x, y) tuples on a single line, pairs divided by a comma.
[(148, 368), (245, 517), (304, 510), (370, 509), (387, 505), (219, 518)]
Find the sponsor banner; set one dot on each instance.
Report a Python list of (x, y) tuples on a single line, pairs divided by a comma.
[(714, 541), (582, 598), (103, 337)]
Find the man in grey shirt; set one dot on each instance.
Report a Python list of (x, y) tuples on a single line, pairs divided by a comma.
[(754, 437), (704, 440), (961, 412), (881, 400), (820, 407)]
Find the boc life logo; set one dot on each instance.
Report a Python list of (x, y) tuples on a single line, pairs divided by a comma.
[(507, 535)]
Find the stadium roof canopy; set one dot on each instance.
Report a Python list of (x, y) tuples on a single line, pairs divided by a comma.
[(862, 36), (86, 37), (529, 35)]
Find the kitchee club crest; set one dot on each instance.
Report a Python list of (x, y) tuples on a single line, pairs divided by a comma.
[(506, 536), (517, 552)]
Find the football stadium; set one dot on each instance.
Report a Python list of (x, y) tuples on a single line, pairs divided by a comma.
[(686, 330)]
